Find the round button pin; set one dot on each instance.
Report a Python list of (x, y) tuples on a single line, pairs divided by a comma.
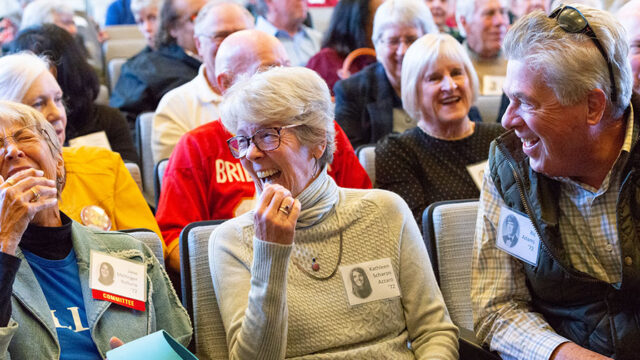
[(95, 217)]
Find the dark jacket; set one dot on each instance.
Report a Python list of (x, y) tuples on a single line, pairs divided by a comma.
[(364, 105), (146, 77), (592, 313)]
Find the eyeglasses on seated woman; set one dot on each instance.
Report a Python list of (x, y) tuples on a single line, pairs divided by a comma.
[(47, 307), (282, 272), (95, 176)]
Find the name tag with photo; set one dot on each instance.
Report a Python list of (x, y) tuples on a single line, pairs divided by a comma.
[(517, 236), (369, 281), (98, 139), (118, 280), (492, 85), (477, 172)]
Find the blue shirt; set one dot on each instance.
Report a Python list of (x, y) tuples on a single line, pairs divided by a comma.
[(60, 284), (119, 13), (300, 48)]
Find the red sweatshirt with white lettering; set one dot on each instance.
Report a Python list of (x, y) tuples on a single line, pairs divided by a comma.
[(203, 181)]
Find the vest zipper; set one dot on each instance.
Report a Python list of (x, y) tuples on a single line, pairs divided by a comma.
[(527, 208)]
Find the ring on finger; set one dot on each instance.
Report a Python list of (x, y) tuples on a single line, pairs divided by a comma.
[(36, 195), (10, 182), (284, 209)]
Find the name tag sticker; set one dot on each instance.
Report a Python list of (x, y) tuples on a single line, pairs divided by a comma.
[(477, 172), (369, 281), (517, 236), (492, 84), (98, 139), (118, 280)]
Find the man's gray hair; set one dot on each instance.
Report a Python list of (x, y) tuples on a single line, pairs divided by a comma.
[(284, 96), (202, 28), (402, 13), (570, 64), (138, 5), (42, 12), (424, 53), (465, 9)]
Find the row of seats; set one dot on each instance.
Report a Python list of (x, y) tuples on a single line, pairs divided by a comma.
[(448, 229)]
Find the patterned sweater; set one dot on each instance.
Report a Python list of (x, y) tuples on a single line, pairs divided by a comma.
[(272, 309)]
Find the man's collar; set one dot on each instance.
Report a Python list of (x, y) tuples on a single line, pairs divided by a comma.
[(263, 24), (204, 92), (474, 55)]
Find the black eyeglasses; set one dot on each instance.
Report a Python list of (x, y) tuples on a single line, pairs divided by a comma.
[(265, 140), (572, 21)]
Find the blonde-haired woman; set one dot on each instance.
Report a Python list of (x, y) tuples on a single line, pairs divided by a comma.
[(430, 162)]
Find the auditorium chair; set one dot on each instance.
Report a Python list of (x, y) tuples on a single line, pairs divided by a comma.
[(144, 123), (448, 228), (367, 156), (158, 176), (149, 238), (209, 340)]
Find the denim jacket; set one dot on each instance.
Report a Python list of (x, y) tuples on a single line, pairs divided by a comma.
[(31, 333)]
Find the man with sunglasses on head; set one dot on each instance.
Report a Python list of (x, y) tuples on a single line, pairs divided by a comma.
[(203, 180), (568, 171)]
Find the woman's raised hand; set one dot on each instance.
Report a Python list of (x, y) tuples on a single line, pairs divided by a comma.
[(22, 196), (276, 215)]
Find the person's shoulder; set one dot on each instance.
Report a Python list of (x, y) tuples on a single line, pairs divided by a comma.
[(359, 84), (495, 129), (397, 141), (323, 56), (180, 95), (87, 154), (230, 233), (114, 242), (387, 201)]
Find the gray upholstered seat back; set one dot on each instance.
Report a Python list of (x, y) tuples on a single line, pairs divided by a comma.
[(198, 295), (453, 228)]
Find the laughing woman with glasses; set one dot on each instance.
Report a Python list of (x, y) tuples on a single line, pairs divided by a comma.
[(283, 271), (47, 310)]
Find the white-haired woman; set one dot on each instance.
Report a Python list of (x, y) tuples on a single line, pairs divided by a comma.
[(368, 104), (430, 162), (95, 176), (46, 307), (282, 272), (145, 12)]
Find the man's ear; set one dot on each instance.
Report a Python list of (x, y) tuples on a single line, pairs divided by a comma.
[(224, 82), (196, 41), (596, 103)]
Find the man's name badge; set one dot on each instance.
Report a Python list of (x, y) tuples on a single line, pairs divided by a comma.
[(492, 85), (369, 281), (477, 172), (118, 280), (517, 236)]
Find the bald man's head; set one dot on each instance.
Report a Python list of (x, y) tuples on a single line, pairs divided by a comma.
[(246, 52)]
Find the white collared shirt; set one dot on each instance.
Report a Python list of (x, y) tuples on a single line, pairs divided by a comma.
[(180, 110)]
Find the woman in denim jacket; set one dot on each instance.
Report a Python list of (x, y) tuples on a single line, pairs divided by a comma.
[(47, 310)]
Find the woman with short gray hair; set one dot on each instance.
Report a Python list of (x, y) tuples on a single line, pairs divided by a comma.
[(431, 162), (368, 105), (46, 259), (145, 13), (282, 272)]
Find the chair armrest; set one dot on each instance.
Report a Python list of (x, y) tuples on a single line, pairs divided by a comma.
[(471, 349)]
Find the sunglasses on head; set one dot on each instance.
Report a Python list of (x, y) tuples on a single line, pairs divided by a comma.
[(572, 21)]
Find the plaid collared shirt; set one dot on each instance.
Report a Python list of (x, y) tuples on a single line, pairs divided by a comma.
[(503, 317)]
